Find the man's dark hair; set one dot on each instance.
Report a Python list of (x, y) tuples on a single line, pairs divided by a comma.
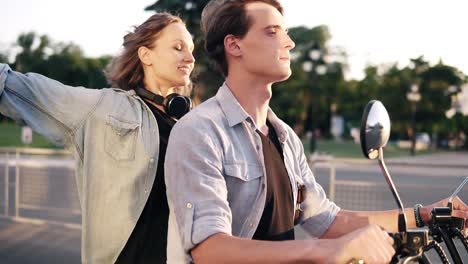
[(223, 17)]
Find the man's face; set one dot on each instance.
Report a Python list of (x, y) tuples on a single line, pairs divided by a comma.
[(265, 48)]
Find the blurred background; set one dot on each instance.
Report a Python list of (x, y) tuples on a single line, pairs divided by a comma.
[(411, 55)]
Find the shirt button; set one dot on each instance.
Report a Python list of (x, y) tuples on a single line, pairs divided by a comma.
[(189, 205), (258, 148), (151, 160), (251, 225)]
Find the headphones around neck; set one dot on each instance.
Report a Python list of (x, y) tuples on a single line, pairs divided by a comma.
[(175, 105)]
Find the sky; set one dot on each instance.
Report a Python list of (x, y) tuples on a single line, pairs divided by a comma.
[(370, 31)]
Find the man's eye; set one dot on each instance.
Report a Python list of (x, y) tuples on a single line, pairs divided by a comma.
[(178, 47)]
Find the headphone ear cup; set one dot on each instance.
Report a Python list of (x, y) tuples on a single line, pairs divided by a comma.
[(189, 103), (177, 105)]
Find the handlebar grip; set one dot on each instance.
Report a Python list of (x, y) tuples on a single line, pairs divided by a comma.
[(394, 260), (397, 242)]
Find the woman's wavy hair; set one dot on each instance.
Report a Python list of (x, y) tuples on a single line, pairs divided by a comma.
[(126, 71)]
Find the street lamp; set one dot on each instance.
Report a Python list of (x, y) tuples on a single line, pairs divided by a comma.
[(314, 62), (413, 97), (456, 97), (455, 105), (314, 65)]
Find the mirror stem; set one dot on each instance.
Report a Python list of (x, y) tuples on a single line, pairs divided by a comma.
[(401, 214)]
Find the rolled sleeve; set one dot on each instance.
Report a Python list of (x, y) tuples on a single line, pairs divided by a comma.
[(196, 188), (319, 212)]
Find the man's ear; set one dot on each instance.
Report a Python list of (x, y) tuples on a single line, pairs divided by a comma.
[(144, 55), (231, 46)]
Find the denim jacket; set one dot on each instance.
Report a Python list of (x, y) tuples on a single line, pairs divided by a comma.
[(114, 136), (219, 184)]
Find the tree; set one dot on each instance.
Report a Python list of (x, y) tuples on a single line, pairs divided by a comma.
[(304, 101), (392, 86), (31, 56), (64, 62), (309, 93), (3, 58)]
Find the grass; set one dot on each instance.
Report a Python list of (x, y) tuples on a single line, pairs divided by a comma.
[(349, 149), (10, 136)]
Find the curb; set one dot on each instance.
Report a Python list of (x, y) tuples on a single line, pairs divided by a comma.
[(389, 162)]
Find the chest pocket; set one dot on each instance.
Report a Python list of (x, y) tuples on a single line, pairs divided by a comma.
[(243, 183), (243, 171), (120, 138)]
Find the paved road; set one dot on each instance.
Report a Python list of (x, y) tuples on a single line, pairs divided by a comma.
[(25, 243), (44, 243), (415, 184)]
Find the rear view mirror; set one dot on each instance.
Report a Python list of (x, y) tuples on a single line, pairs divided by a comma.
[(375, 129)]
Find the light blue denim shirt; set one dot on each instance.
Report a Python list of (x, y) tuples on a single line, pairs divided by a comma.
[(215, 176), (115, 139)]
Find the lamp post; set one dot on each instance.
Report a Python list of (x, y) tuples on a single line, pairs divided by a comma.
[(456, 107), (314, 66), (413, 97)]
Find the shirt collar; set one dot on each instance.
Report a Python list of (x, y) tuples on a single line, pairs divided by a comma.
[(235, 113), (278, 125)]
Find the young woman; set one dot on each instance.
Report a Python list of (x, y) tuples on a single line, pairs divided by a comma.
[(119, 137)]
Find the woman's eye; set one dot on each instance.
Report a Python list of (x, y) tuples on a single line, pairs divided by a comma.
[(178, 47)]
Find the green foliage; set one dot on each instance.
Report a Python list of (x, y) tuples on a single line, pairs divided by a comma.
[(3, 58), (304, 101), (64, 62), (433, 82), (307, 96)]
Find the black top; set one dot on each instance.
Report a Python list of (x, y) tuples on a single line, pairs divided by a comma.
[(148, 241), (277, 222)]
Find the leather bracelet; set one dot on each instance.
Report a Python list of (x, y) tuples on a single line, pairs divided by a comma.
[(417, 215)]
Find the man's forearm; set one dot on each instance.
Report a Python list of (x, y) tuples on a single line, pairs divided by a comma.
[(222, 248), (348, 221)]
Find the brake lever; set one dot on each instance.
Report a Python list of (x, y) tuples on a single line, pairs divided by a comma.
[(454, 194)]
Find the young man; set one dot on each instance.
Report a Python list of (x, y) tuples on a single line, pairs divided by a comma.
[(233, 195)]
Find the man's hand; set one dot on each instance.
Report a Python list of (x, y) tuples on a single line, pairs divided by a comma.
[(460, 209), (371, 244)]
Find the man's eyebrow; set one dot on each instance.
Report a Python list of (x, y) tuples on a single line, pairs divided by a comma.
[(276, 27)]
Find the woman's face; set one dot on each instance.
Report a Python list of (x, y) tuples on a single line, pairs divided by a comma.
[(170, 62)]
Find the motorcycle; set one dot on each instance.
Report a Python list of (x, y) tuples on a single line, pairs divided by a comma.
[(411, 245)]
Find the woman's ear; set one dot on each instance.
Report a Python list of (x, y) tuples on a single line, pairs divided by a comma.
[(231, 45), (144, 55)]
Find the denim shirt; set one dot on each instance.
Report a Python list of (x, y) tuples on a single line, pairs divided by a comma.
[(114, 137), (215, 176)]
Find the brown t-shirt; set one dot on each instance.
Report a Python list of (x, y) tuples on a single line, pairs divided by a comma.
[(277, 222)]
